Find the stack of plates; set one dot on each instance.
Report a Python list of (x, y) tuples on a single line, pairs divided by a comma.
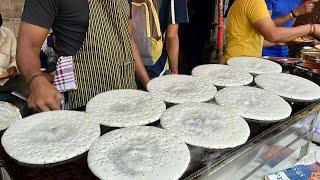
[(223, 75), (206, 125), (255, 65), (178, 89), (137, 153), (124, 108), (8, 114), (254, 103), (50, 137), (291, 87)]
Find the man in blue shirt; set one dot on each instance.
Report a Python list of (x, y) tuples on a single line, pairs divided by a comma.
[(171, 14), (284, 13)]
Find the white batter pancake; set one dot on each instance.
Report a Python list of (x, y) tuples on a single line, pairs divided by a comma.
[(138, 153), (127, 107), (8, 114), (206, 125), (289, 86), (254, 103), (223, 75), (255, 65), (178, 89), (50, 137)]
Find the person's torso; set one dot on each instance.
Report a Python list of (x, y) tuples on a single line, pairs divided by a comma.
[(70, 26), (283, 7), (276, 51), (105, 61), (158, 4), (279, 9), (7, 47), (242, 38), (108, 32), (169, 12)]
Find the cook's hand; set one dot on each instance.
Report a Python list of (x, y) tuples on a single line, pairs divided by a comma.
[(12, 71), (44, 96), (305, 8)]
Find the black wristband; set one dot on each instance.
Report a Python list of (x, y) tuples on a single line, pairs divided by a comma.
[(34, 77), (294, 16)]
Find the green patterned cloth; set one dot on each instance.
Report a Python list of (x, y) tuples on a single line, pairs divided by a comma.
[(105, 61)]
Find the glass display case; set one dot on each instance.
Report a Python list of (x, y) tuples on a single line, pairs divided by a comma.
[(275, 149)]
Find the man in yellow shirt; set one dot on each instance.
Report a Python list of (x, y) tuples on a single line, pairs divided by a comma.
[(249, 23)]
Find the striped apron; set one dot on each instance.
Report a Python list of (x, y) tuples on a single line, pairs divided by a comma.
[(105, 61)]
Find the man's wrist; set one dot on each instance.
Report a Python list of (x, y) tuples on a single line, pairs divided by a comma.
[(34, 78)]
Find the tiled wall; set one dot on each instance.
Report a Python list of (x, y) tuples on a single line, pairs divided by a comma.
[(11, 11)]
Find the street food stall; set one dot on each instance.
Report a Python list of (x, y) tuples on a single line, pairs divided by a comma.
[(245, 120), (270, 146), (260, 146)]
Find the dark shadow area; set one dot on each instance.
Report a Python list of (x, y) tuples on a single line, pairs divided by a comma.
[(195, 46)]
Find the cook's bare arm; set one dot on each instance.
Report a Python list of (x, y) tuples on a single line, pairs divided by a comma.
[(43, 95), (140, 70), (270, 44), (267, 28), (172, 45)]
